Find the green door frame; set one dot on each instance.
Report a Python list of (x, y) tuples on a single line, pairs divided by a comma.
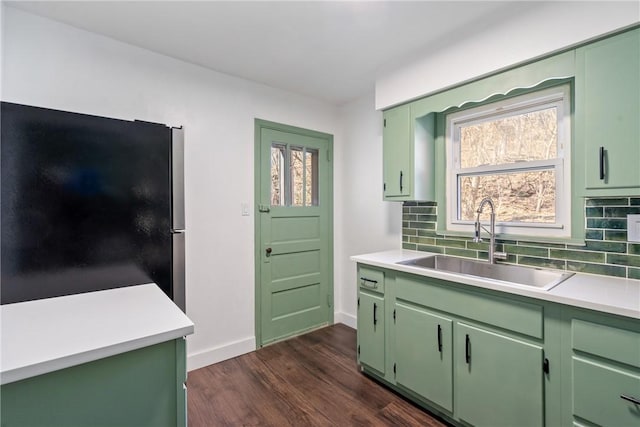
[(258, 127)]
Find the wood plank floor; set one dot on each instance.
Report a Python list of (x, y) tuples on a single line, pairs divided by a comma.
[(310, 380)]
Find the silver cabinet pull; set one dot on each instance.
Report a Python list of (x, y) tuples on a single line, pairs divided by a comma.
[(369, 283)]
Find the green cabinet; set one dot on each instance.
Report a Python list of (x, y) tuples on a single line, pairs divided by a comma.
[(396, 152), (488, 358), (371, 330), (424, 354), (143, 387), (499, 379), (407, 152), (371, 319), (604, 376), (607, 107)]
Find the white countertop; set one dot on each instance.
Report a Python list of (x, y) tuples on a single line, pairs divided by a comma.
[(55, 333), (601, 293)]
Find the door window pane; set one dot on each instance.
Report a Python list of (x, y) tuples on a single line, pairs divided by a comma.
[(294, 176), (297, 176), (278, 154), (311, 179)]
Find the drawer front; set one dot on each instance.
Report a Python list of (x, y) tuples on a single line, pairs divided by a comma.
[(597, 391), (504, 313), (371, 279), (617, 344)]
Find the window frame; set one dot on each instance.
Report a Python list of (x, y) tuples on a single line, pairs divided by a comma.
[(538, 99)]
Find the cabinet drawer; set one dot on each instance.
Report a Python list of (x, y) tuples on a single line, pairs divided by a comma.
[(597, 391), (617, 344), (371, 279)]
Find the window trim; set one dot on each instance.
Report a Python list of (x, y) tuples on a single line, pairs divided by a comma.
[(558, 96)]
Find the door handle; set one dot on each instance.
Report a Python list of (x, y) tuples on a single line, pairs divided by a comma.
[(602, 155), (467, 349), (440, 338), (375, 315), (401, 181), (630, 399), (268, 251)]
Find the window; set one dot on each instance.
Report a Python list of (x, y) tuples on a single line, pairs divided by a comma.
[(294, 176), (515, 151)]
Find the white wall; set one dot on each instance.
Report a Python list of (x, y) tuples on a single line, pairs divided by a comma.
[(546, 28), (56, 66), (367, 224)]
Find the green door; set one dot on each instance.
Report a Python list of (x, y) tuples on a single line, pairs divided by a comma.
[(294, 290), (371, 330), (424, 354), (499, 380)]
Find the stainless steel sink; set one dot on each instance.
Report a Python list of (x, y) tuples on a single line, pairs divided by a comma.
[(513, 274)]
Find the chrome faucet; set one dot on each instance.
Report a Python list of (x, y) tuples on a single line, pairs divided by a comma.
[(493, 255)]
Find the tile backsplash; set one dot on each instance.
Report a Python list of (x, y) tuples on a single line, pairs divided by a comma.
[(606, 251)]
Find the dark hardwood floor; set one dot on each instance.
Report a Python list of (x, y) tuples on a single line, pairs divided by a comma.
[(310, 380)]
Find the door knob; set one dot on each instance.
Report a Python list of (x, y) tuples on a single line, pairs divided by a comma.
[(268, 251)]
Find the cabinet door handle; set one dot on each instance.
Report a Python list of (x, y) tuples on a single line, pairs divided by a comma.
[(602, 155), (630, 399), (369, 283), (375, 313), (467, 349), (401, 181), (440, 338)]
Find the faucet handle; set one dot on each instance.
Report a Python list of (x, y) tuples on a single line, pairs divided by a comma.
[(500, 255)]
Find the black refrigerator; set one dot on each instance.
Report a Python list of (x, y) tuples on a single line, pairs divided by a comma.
[(89, 203)]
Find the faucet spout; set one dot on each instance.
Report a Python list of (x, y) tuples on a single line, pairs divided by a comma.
[(493, 255)]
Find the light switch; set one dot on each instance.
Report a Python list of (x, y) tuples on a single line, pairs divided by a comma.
[(633, 228), (245, 209)]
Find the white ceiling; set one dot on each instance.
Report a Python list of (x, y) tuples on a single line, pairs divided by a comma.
[(329, 50)]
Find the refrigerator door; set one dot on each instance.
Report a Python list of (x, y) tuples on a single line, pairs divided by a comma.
[(178, 270), (177, 179), (86, 203)]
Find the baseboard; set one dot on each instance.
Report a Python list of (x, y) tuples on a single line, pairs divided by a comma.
[(346, 319), (218, 354)]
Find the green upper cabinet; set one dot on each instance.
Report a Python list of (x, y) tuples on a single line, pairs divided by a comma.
[(396, 152), (407, 150), (607, 108)]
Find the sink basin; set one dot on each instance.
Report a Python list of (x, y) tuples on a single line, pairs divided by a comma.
[(513, 274)]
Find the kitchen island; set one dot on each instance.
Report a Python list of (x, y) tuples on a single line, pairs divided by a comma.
[(113, 357)]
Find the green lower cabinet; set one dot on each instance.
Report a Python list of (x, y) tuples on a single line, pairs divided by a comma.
[(598, 391), (482, 358), (139, 388), (603, 361), (371, 320), (424, 354), (498, 379)]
